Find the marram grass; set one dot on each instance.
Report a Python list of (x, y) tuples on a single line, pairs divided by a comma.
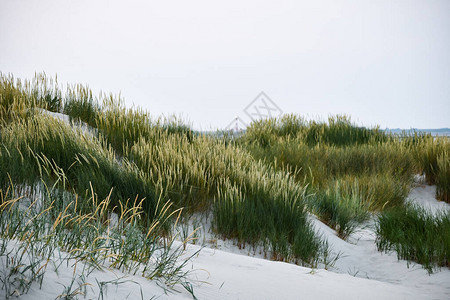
[(416, 235), (258, 187), (138, 157), (44, 147), (81, 105), (338, 131), (443, 177), (51, 222)]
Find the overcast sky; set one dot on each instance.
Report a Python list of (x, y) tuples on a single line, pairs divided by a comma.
[(382, 62)]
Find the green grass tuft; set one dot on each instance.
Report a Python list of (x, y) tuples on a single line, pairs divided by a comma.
[(416, 235)]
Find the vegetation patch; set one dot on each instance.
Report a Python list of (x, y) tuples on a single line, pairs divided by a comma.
[(416, 235)]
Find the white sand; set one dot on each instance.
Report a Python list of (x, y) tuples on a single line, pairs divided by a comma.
[(424, 196), (231, 276), (218, 274)]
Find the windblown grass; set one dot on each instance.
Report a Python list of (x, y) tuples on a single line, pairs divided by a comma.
[(268, 208), (80, 105), (47, 148), (351, 171), (55, 226), (426, 152), (254, 203), (342, 208), (19, 98), (123, 127), (14, 101), (47, 92), (432, 158), (338, 131), (443, 177), (258, 187), (321, 163), (161, 160)]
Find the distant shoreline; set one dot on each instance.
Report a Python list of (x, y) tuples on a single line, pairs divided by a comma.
[(434, 132)]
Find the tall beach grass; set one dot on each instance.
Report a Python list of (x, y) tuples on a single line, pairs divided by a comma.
[(157, 161), (259, 187), (416, 235)]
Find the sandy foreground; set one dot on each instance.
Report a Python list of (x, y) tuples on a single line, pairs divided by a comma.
[(222, 271)]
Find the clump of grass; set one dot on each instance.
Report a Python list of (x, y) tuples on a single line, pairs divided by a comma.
[(290, 125), (58, 221), (44, 147), (351, 170), (181, 171), (443, 177), (339, 131), (268, 204), (321, 163), (416, 235), (122, 127), (174, 125), (341, 207), (426, 153), (349, 182), (261, 133), (432, 159), (18, 98), (378, 192), (14, 101), (79, 104), (271, 212), (47, 93)]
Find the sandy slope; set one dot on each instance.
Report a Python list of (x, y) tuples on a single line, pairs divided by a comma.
[(361, 273), (232, 276), (377, 275), (424, 196)]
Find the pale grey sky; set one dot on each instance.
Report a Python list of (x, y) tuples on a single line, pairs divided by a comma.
[(382, 62)]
